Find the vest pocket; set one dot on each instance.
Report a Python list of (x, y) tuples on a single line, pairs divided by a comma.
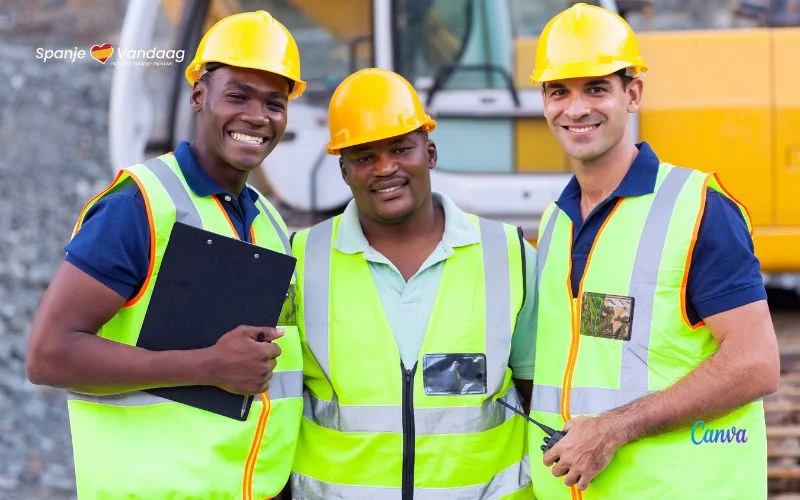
[(606, 316), (454, 374)]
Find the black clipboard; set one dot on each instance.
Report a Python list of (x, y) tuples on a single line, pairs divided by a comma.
[(209, 284)]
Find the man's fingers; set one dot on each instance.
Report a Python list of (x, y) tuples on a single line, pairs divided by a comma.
[(271, 334), (550, 457), (583, 483), (572, 478), (559, 470), (273, 351)]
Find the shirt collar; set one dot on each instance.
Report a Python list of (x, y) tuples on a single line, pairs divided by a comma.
[(638, 181), (198, 180), (459, 230)]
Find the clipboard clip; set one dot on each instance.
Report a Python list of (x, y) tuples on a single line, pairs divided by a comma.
[(245, 402)]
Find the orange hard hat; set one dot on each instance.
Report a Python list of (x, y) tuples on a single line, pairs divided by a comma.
[(374, 104)]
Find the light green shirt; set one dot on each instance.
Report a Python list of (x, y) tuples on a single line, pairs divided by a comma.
[(408, 305)]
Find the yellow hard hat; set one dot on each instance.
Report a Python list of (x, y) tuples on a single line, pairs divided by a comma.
[(253, 40), (374, 104), (584, 41)]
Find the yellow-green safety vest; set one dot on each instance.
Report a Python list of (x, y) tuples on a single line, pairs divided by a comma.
[(643, 251), (374, 429), (138, 445)]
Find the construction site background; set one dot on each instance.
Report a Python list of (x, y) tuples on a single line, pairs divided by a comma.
[(53, 121)]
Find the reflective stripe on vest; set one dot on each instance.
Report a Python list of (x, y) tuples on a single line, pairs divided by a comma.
[(427, 421), (633, 370), (503, 484), (498, 316), (478, 297), (114, 436), (282, 385), (185, 211), (643, 250)]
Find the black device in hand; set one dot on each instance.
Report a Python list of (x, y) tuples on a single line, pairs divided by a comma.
[(553, 436)]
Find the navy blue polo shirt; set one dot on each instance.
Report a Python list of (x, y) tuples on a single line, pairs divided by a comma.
[(113, 244), (724, 273)]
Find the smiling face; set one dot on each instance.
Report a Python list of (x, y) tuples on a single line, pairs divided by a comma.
[(589, 116), (241, 116), (390, 178)]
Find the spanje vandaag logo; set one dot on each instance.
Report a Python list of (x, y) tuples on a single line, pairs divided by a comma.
[(106, 52), (102, 53), (703, 434)]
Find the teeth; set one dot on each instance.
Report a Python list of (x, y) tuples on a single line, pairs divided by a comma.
[(389, 189), (580, 130), (249, 139)]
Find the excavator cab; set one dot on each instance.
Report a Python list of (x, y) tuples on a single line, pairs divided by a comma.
[(721, 95)]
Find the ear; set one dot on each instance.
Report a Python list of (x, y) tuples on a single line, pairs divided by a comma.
[(343, 171), (433, 155), (197, 96), (634, 92)]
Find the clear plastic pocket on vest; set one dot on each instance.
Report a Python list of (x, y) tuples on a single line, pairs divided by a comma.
[(606, 316), (454, 374)]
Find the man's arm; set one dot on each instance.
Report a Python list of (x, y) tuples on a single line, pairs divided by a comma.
[(64, 350), (746, 367), (725, 289)]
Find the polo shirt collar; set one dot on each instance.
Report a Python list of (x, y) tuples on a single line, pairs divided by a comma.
[(198, 180), (459, 230), (640, 180)]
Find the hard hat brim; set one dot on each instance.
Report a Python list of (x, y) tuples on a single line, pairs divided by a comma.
[(194, 71), (428, 126), (584, 70)]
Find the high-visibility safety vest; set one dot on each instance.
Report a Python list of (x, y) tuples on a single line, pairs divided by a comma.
[(137, 445), (643, 250), (374, 429)]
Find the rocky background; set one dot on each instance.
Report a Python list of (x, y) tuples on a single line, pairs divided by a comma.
[(53, 158)]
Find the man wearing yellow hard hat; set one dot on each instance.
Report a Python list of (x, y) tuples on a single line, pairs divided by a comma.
[(655, 341), (129, 443), (415, 318)]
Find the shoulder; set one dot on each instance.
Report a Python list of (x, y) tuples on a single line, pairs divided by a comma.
[(124, 200), (722, 226), (321, 230)]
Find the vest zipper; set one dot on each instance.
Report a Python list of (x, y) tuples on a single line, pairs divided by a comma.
[(408, 432), (571, 358), (575, 493)]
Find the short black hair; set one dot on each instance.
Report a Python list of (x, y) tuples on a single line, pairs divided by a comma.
[(213, 66), (210, 68), (626, 78)]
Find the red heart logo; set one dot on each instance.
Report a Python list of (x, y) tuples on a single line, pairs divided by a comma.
[(103, 52)]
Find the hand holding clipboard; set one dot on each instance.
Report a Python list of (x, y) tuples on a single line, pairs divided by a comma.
[(208, 287), (245, 357)]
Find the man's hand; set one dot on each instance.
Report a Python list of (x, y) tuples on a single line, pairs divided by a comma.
[(244, 358), (585, 451)]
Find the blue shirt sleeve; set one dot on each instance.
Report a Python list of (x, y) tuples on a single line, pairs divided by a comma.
[(113, 244), (724, 272)]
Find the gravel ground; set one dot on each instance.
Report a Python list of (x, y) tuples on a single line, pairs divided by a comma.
[(53, 121)]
